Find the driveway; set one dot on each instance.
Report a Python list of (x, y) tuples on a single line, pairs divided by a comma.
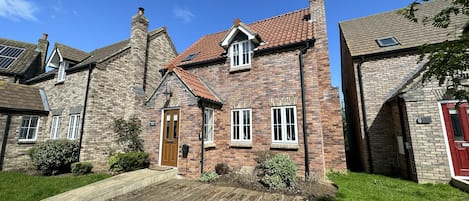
[(181, 189)]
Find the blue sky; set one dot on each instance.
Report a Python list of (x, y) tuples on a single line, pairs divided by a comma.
[(91, 24)]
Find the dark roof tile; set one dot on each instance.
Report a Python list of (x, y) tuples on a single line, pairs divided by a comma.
[(20, 97), (361, 34)]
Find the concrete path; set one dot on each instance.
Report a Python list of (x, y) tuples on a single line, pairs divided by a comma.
[(117, 185)]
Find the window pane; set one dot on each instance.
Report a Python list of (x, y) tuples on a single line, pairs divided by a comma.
[(235, 125), (245, 52), (168, 121), (175, 119), (456, 122)]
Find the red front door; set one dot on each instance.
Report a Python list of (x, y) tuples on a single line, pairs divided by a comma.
[(457, 129)]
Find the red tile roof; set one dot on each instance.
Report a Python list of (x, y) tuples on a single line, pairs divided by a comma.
[(276, 31), (196, 85)]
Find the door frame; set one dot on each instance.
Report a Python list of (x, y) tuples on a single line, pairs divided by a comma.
[(445, 134), (160, 153)]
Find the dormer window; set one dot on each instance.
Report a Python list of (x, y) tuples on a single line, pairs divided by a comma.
[(241, 54), (61, 74)]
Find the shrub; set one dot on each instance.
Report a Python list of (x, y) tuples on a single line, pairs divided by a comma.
[(54, 156), (280, 171), (222, 168), (262, 156), (208, 177), (81, 168), (125, 162), (128, 134)]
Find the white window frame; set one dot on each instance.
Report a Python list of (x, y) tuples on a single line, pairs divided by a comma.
[(283, 125), (209, 133), (61, 72), (73, 126), (241, 125), (240, 54), (30, 136), (55, 127)]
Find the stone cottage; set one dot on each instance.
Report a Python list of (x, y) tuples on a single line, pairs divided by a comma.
[(84, 92), (254, 87), (397, 125)]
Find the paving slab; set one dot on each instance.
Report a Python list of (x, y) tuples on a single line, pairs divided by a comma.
[(117, 185), (183, 189)]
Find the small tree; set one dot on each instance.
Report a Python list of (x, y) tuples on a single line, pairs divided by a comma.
[(128, 134)]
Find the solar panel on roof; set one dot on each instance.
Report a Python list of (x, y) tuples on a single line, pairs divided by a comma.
[(11, 52), (8, 55), (5, 62)]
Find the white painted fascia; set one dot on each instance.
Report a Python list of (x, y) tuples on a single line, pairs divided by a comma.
[(234, 31), (52, 61)]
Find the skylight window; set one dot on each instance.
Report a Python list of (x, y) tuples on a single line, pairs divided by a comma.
[(8, 55), (190, 57), (387, 41)]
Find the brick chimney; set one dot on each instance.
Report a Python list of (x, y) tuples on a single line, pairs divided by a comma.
[(43, 46), (316, 9), (138, 43)]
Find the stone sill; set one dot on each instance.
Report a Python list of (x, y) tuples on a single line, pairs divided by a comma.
[(284, 146), (240, 68), (26, 141), (60, 83), (241, 144), (209, 145)]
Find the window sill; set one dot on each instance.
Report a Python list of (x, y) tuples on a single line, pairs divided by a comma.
[(59, 83), (240, 68), (26, 141), (241, 144), (209, 145), (284, 146)]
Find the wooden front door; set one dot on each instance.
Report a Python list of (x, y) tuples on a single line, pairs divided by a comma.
[(457, 129), (169, 155)]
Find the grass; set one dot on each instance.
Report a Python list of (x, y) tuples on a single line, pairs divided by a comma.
[(20, 186), (363, 187)]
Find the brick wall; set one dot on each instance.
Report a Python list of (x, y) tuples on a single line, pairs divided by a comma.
[(381, 76), (428, 141), (16, 157), (115, 94), (271, 77)]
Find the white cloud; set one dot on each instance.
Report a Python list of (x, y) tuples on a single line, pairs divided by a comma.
[(18, 10), (184, 14)]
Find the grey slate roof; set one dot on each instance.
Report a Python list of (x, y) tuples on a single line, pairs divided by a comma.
[(71, 53), (24, 60), (360, 34), (19, 97)]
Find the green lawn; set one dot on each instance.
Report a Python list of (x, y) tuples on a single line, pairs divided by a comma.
[(20, 186), (363, 187)]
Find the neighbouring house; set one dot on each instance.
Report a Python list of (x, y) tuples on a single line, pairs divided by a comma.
[(254, 87), (82, 94), (396, 124)]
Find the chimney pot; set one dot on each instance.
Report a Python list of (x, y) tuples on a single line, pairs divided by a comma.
[(44, 36), (236, 22), (141, 11)]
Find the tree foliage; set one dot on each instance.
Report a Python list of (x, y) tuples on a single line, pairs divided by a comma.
[(128, 133), (447, 62)]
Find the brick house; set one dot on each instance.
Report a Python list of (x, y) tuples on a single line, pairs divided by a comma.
[(397, 125), (85, 91), (242, 91)]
